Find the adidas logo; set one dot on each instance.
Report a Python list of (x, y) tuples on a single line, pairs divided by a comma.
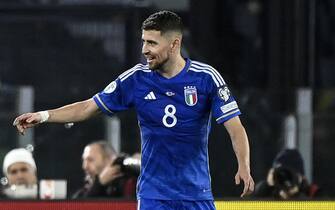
[(150, 96)]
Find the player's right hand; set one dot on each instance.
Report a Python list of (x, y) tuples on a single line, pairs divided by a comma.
[(27, 120)]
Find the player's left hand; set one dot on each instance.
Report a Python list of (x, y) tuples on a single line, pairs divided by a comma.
[(249, 184)]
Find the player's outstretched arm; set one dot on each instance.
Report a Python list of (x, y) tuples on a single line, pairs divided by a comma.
[(75, 112), (240, 143)]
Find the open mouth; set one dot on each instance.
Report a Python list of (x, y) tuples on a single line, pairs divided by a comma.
[(150, 59)]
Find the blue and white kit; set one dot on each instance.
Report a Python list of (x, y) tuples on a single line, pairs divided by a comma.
[(174, 118)]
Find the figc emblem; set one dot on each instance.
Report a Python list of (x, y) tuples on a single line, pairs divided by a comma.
[(191, 96)]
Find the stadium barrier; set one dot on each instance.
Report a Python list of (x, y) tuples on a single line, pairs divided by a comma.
[(131, 205), (275, 205)]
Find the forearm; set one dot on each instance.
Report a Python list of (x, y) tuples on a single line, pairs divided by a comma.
[(75, 112), (240, 144), (241, 147)]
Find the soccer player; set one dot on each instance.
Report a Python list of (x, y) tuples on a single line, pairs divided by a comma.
[(175, 98)]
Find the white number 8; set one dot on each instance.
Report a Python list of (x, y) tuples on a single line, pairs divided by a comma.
[(170, 114)]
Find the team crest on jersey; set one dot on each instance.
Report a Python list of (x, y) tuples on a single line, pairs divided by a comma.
[(191, 96), (224, 93)]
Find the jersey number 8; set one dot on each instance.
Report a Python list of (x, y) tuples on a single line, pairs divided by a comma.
[(170, 110)]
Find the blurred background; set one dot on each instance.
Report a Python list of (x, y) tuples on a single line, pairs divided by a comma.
[(277, 56)]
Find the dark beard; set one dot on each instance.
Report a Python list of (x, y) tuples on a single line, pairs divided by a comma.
[(159, 65)]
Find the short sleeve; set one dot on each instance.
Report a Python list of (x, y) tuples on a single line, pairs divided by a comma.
[(117, 96), (224, 106)]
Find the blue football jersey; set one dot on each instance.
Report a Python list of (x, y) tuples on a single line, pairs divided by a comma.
[(174, 118)]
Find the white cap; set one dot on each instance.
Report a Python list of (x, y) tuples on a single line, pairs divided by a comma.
[(16, 156)]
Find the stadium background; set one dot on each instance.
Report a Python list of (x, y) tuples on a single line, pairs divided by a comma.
[(266, 50)]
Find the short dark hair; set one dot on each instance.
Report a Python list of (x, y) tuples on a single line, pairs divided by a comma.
[(163, 21)]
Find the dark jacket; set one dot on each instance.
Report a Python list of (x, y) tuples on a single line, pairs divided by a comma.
[(122, 187), (306, 191)]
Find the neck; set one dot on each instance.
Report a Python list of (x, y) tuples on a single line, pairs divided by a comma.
[(173, 67)]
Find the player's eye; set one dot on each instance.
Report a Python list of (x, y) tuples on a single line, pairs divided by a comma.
[(152, 43)]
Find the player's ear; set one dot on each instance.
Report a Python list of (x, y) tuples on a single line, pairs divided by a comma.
[(175, 44)]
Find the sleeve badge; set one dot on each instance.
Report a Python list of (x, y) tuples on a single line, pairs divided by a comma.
[(224, 93), (110, 88)]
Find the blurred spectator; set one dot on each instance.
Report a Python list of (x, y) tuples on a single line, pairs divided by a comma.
[(286, 179), (20, 170), (108, 174)]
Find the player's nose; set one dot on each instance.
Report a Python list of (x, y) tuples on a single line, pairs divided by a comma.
[(145, 50)]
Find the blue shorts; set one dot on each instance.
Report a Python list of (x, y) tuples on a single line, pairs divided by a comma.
[(150, 204)]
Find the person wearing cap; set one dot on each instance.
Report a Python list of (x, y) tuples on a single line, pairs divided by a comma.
[(286, 179), (19, 167)]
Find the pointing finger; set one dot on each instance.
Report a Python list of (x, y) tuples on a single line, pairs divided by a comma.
[(16, 121), (21, 118)]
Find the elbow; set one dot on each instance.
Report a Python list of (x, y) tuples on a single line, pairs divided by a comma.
[(89, 109), (239, 131), (85, 114)]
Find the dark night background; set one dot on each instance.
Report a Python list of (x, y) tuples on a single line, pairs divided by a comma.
[(265, 50)]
